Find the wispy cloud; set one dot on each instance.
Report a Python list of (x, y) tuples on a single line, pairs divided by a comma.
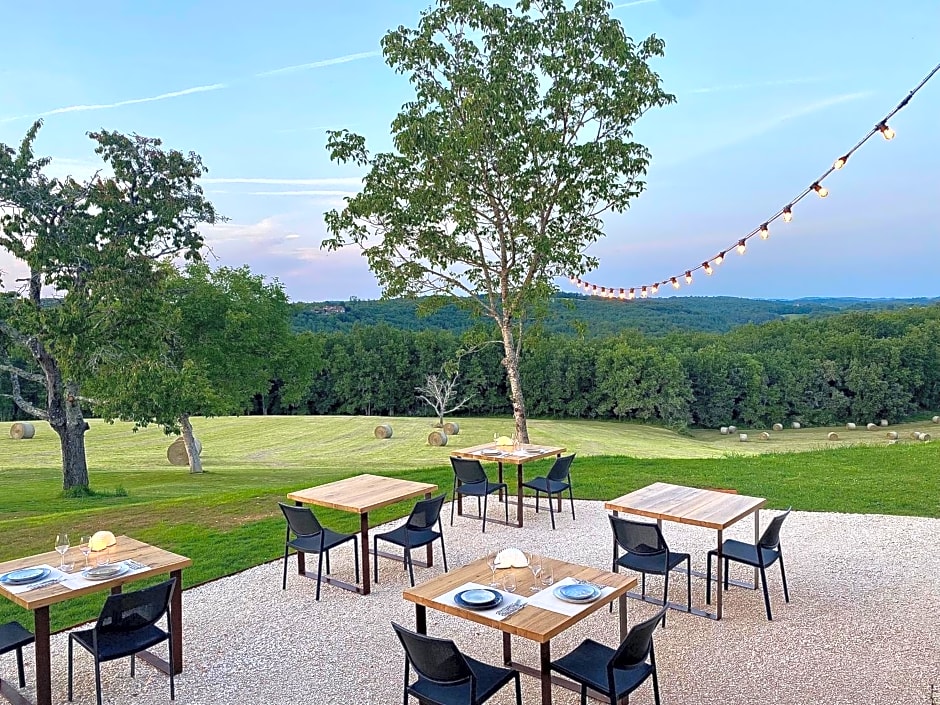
[(327, 62), (631, 4), (312, 192), (761, 84), (331, 181)]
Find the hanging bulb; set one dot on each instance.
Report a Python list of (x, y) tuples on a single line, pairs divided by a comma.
[(655, 289), (643, 293), (764, 231), (742, 247), (840, 162), (885, 131), (688, 277), (594, 289), (719, 259), (708, 268), (572, 280), (623, 294), (820, 189), (787, 214), (632, 294), (674, 282)]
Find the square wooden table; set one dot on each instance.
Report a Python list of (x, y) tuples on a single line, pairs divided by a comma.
[(518, 456), (711, 509), (360, 495), (39, 601), (533, 623)]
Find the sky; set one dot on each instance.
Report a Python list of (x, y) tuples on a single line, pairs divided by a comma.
[(768, 95)]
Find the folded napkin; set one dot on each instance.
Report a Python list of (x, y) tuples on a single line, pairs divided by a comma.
[(508, 598), (547, 601)]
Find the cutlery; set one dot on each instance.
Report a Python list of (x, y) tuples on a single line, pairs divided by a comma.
[(44, 584), (593, 585), (134, 565), (511, 609)]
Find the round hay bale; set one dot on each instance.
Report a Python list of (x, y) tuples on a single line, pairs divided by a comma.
[(764, 436), (883, 422), (778, 427), (850, 426), (892, 435), (742, 437), (923, 437), (872, 427), (833, 436), (723, 430), (451, 428), (913, 435), (177, 454), (936, 419), (437, 439), (383, 431), (732, 429), (795, 424), (21, 430)]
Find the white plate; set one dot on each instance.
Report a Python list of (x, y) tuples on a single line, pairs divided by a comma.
[(105, 572), (24, 576), (577, 593)]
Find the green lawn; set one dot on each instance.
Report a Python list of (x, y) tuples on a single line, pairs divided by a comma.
[(227, 520)]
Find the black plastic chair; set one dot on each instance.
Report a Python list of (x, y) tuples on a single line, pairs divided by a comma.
[(647, 552), (13, 636), (446, 676), (557, 481), (767, 550), (418, 531), (470, 480), (125, 627), (310, 536), (614, 673)]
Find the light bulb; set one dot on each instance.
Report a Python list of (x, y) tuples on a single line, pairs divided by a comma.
[(764, 231), (623, 294), (720, 258), (674, 282), (632, 294), (886, 131), (820, 189), (655, 289), (594, 289), (742, 247), (688, 277), (840, 162), (708, 268), (643, 293), (787, 214)]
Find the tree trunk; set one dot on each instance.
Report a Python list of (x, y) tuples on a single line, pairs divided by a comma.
[(511, 363), (195, 462), (64, 412)]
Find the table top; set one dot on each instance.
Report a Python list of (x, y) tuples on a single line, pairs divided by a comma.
[(687, 505), (490, 452), (531, 622), (158, 560), (362, 493)]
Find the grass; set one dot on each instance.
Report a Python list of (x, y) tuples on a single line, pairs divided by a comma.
[(226, 519)]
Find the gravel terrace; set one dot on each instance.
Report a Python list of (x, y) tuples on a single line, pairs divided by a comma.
[(861, 626)]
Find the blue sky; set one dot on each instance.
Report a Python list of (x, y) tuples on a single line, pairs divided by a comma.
[(768, 95)]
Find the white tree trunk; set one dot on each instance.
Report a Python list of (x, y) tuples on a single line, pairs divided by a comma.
[(195, 462), (511, 363)]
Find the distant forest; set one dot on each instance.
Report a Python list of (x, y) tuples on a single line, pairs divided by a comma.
[(575, 314)]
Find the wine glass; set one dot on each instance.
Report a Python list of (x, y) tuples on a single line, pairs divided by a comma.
[(62, 546), (491, 562), (509, 582), (85, 547), (535, 565)]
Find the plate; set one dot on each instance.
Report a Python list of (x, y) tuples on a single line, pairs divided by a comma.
[(24, 576), (478, 599), (491, 451), (104, 572), (577, 593)]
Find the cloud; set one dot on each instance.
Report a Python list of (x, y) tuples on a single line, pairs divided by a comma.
[(330, 181), (762, 84), (291, 236), (312, 192), (631, 4), (327, 62)]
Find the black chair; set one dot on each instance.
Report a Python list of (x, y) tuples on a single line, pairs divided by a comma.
[(446, 676), (418, 531), (125, 627), (470, 480), (13, 636), (557, 481), (310, 536), (614, 673), (761, 556), (647, 552)]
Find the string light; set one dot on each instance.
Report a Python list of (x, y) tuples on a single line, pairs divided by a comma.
[(785, 213)]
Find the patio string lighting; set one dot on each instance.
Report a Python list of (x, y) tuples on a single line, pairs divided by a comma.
[(763, 231)]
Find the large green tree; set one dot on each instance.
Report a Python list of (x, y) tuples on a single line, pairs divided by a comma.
[(95, 246), (516, 143)]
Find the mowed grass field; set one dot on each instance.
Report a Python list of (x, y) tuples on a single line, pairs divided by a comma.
[(227, 519)]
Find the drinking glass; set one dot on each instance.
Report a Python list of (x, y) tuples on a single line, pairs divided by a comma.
[(509, 582), (491, 562), (62, 546), (548, 574), (85, 547), (535, 565)]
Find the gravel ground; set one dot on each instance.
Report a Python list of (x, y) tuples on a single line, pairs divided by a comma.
[(861, 626)]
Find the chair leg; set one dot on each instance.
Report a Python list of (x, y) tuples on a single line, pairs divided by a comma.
[(665, 595), (453, 503), (98, 679), (356, 557), (319, 572), (571, 498), (485, 497), (583, 694), (551, 510), (132, 665), (411, 570), (506, 505), (655, 687), (284, 579), (328, 569), (478, 504), (763, 582), (643, 584), (537, 502), (518, 690), (70, 670), (783, 575), (375, 562), (19, 666), (688, 576), (170, 647), (708, 580), (727, 570), (443, 553)]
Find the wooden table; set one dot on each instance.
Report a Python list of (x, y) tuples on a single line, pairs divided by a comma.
[(523, 453), (39, 601), (531, 622), (711, 509), (360, 495)]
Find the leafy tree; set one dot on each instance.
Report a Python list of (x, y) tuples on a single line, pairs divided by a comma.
[(97, 245), (517, 141)]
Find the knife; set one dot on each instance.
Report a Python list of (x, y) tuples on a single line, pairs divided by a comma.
[(44, 584)]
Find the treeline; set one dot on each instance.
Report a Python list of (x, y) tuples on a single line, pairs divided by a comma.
[(856, 366)]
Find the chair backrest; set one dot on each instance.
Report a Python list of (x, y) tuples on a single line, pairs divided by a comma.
[(771, 536), (468, 471), (638, 537), (638, 643), (425, 513), (437, 660), (130, 611), (301, 520), (561, 469)]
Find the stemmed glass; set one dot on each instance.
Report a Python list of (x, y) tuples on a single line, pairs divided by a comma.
[(535, 565), (85, 548), (491, 562), (62, 546)]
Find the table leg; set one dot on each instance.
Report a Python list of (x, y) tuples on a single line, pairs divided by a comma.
[(43, 660), (421, 619), (519, 495), (499, 478), (427, 495), (507, 649), (364, 546), (756, 541), (719, 573), (459, 497), (624, 621), (545, 666), (176, 615)]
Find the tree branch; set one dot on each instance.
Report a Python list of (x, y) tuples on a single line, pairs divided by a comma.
[(17, 397)]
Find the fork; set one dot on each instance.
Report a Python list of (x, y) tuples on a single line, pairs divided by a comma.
[(511, 609), (44, 584), (134, 565), (593, 585)]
